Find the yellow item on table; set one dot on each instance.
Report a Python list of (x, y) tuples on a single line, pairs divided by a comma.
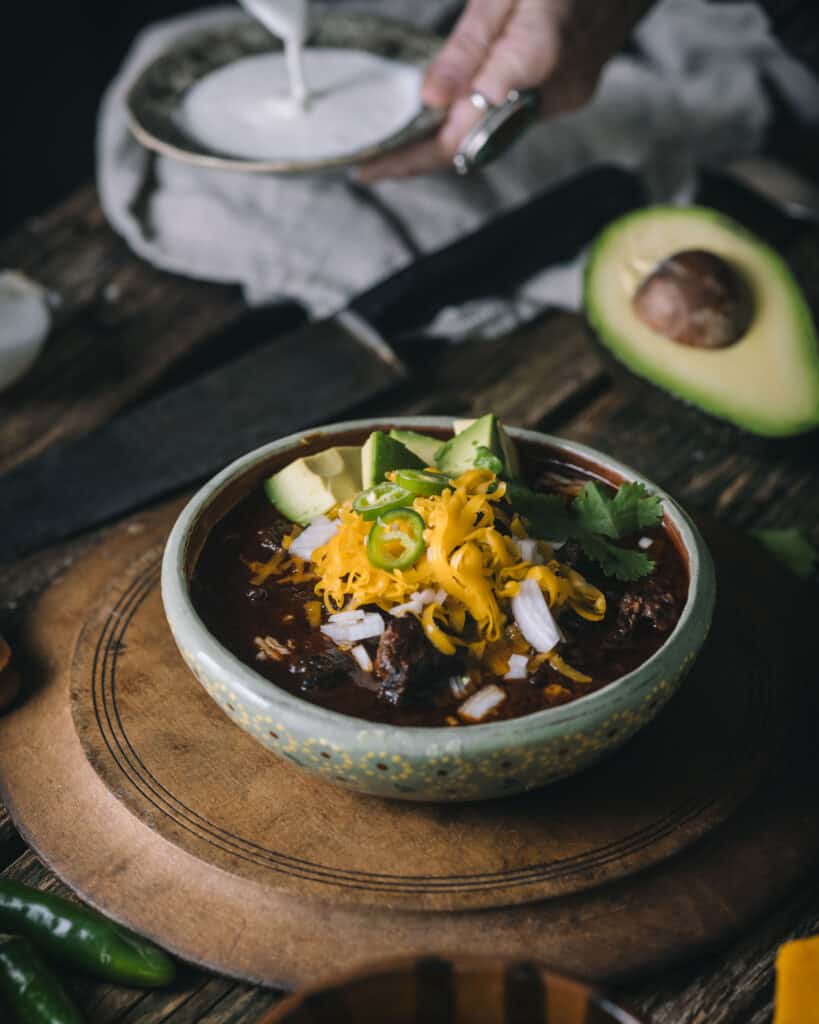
[(797, 982)]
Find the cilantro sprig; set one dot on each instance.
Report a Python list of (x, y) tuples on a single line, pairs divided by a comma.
[(631, 509), (595, 520)]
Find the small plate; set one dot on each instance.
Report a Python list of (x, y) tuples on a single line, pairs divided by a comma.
[(155, 97), (482, 990)]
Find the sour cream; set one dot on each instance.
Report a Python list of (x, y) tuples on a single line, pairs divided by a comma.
[(287, 19), (356, 100)]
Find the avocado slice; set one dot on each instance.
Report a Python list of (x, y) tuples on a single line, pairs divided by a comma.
[(421, 445), (766, 380), (382, 454), (312, 485), (499, 443)]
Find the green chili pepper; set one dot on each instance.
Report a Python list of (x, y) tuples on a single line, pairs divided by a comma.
[(421, 481), (32, 993), (73, 934), (396, 541), (370, 504)]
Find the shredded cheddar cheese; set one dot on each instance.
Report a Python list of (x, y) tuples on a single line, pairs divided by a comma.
[(471, 561), (477, 566), (281, 564), (312, 610)]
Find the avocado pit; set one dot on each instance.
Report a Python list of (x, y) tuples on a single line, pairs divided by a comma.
[(695, 298)]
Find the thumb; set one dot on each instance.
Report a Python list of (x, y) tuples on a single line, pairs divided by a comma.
[(451, 73)]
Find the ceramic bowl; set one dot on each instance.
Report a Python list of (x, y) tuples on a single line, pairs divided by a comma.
[(463, 990), (442, 764)]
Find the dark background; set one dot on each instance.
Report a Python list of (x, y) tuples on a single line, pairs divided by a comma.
[(57, 58)]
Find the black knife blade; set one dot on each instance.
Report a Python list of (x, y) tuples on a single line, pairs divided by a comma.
[(299, 380)]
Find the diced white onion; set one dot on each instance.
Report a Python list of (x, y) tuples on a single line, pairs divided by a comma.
[(480, 704), (413, 605), (644, 542), (346, 618), (518, 667), (528, 550), (417, 602), (346, 634), (534, 618), (362, 656), (315, 536)]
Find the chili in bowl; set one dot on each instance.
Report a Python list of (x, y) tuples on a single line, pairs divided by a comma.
[(428, 615)]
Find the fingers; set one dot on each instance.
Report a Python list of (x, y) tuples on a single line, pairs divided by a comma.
[(422, 158), (451, 73), (525, 54), (462, 119), (498, 46)]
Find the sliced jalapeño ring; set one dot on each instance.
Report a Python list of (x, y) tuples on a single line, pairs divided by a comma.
[(381, 498), (396, 540), (421, 481)]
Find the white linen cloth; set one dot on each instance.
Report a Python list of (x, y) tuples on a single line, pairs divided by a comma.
[(694, 95)]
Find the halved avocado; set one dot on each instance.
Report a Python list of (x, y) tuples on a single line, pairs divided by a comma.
[(764, 374)]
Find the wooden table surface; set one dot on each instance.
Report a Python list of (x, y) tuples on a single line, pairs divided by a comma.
[(124, 330)]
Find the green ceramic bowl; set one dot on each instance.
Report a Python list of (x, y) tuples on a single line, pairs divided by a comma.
[(442, 764)]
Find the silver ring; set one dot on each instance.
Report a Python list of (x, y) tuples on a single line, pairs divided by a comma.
[(480, 102), (497, 129)]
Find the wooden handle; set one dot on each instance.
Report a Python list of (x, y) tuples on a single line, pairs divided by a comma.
[(448, 991)]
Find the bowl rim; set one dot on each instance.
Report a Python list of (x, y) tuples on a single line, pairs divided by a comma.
[(468, 962), (189, 630)]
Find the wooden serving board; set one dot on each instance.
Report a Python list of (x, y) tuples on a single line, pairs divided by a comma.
[(137, 790)]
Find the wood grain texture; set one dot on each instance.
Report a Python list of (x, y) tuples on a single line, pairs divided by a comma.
[(119, 326), (11, 845)]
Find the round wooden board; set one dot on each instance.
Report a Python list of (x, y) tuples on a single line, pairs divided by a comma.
[(182, 767), (134, 856)]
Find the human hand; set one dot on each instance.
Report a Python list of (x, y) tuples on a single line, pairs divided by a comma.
[(558, 47)]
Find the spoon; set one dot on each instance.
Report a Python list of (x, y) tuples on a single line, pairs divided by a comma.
[(287, 19)]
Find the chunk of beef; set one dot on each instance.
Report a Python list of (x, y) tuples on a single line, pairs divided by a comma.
[(407, 666), (655, 605), (321, 668)]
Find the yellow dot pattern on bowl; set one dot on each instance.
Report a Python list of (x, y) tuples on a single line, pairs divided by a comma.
[(438, 773)]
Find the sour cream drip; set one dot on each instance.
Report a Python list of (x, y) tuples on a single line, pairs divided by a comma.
[(287, 19)]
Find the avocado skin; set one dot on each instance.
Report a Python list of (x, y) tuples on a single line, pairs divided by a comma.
[(619, 355), (382, 454), (421, 445)]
